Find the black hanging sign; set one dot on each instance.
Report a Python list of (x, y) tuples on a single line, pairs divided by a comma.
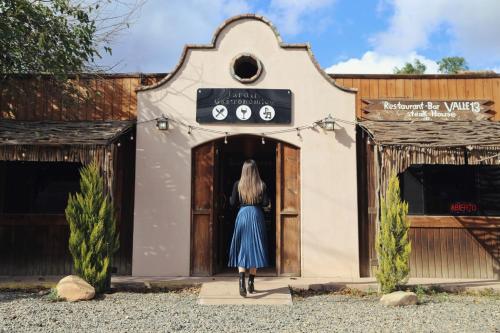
[(240, 106)]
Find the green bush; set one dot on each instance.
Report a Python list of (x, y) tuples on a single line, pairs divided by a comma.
[(52, 296), (93, 239), (393, 245)]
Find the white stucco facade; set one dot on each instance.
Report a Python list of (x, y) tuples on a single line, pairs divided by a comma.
[(162, 212)]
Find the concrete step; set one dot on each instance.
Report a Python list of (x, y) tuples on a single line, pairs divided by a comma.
[(227, 292)]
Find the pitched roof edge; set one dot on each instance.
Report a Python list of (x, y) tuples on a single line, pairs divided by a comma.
[(474, 75)]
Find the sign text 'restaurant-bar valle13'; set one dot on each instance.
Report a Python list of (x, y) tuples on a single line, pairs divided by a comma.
[(427, 110), (240, 106)]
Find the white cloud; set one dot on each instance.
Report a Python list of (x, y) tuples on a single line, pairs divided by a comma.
[(155, 42), (473, 26), (375, 63), (294, 16)]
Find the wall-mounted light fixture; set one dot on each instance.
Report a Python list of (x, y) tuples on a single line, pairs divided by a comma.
[(162, 123), (328, 124)]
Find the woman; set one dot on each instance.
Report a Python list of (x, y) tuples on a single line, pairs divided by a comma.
[(249, 243)]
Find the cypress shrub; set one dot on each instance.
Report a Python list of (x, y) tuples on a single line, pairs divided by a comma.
[(93, 239), (392, 243)]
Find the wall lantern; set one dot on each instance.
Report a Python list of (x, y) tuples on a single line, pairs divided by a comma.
[(162, 123), (328, 124)]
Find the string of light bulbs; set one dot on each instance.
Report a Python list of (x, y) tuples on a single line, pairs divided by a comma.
[(297, 129)]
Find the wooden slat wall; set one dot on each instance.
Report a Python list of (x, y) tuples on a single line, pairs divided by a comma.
[(441, 247), (430, 87), (110, 97), (37, 244), (455, 253)]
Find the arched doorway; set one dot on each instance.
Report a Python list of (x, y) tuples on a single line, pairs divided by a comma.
[(215, 167)]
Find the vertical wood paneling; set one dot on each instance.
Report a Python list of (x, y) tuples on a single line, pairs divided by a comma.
[(347, 82), (434, 89), (408, 88), (476, 253), (391, 87), (479, 234), (450, 254), (202, 209), (461, 88), (374, 88), (495, 87), (454, 253), (470, 256), (364, 91), (417, 88), (417, 247), (479, 88), (423, 250), (109, 98), (443, 88), (469, 88), (452, 88), (400, 88), (133, 97), (424, 88), (288, 209), (413, 256), (443, 253), (382, 88), (355, 84)]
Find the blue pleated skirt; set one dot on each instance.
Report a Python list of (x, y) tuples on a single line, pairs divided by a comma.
[(249, 243)]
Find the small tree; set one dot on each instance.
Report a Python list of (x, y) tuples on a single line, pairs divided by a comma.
[(416, 68), (393, 245), (93, 239), (452, 65)]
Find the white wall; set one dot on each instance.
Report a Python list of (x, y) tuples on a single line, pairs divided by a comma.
[(329, 232)]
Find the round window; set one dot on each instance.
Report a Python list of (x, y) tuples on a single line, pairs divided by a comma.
[(246, 68)]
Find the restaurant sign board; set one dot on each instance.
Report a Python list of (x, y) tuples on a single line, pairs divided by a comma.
[(244, 106), (426, 110)]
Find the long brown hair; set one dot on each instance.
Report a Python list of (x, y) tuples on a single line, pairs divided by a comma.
[(250, 186)]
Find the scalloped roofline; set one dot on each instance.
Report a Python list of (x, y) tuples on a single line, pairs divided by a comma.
[(213, 44)]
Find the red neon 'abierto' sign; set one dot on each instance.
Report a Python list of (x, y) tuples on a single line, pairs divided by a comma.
[(463, 207)]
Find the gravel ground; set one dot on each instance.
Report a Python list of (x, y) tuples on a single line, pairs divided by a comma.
[(178, 312)]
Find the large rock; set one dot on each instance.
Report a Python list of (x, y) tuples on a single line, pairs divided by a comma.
[(399, 298), (73, 288)]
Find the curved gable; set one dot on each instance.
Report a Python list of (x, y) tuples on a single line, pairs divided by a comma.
[(219, 35)]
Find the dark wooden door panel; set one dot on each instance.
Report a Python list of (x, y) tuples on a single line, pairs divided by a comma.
[(288, 210), (201, 244), (202, 209)]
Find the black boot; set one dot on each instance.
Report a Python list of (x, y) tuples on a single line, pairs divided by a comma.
[(243, 290), (251, 287)]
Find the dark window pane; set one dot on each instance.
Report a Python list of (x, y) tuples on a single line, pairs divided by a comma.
[(412, 189), (449, 189), (488, 185), (38, 187), (452, 189)]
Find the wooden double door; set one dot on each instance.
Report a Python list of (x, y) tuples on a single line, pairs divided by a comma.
[(209, 214)]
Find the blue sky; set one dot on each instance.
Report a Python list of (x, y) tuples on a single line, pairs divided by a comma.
[(346, 36)]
